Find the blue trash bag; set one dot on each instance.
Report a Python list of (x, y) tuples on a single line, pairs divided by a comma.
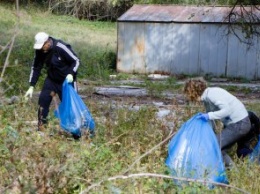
[(195, 153), (72, 112), (254, 156)]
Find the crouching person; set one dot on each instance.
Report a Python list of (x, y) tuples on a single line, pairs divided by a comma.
[(221, 105)]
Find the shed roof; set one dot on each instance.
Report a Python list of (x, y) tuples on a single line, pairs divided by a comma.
[(187, 14)]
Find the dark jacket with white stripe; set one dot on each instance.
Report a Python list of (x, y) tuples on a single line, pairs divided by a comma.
[(60, 61)]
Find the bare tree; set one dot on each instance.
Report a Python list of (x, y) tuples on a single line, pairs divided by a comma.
[(244, 17)]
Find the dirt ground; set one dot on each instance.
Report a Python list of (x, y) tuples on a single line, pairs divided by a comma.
[(121, 92)]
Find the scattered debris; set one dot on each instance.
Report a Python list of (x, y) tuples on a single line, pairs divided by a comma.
[(158, 77), (9, 101), (121, 91)]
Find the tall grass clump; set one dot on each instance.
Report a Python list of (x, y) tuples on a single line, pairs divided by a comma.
[(93, 42)]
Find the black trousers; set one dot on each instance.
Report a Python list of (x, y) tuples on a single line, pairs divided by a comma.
[(246, 144), (49, 89)]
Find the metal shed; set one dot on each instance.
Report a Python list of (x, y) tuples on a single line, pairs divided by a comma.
[(186, 40)]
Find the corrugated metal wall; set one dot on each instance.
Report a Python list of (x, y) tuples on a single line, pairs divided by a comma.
[(185, 48)]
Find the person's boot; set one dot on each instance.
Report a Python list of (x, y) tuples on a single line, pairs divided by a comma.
[(42, 125), (41, 120), (92, 133), (77, 134)]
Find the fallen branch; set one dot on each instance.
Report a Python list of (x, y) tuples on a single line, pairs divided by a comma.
[(162, 176), (3, 48), (138, 159), (151, 150), (9, 53)]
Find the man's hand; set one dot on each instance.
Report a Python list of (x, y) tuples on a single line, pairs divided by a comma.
[(29, 92), (203, 116), (69, 78)]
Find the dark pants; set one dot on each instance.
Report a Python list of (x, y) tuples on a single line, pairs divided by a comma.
[(231, 134), (49, 89), (246, 144)]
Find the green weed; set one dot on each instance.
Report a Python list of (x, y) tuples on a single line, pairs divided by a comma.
[(156, 88), (94, 43)]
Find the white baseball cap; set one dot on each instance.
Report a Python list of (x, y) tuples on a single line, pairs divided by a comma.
[(40, 39)]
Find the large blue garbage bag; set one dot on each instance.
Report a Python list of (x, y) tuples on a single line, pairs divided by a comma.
[(255, 154), (195, 153), (72, 112)]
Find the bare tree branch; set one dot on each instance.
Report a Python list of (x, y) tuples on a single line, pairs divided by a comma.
[(204, 182), (244, 17), (3, 48), (12, 41), (151, 150)]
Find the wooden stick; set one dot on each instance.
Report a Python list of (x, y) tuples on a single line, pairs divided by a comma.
[(162, 176)]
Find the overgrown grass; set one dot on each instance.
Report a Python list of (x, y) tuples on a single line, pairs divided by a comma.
[(58, 163), (55, 163)]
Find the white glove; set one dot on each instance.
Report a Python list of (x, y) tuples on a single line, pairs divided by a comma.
[(29, 92), (69, 78)]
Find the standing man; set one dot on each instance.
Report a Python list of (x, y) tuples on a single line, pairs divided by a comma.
[(61, 62)]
